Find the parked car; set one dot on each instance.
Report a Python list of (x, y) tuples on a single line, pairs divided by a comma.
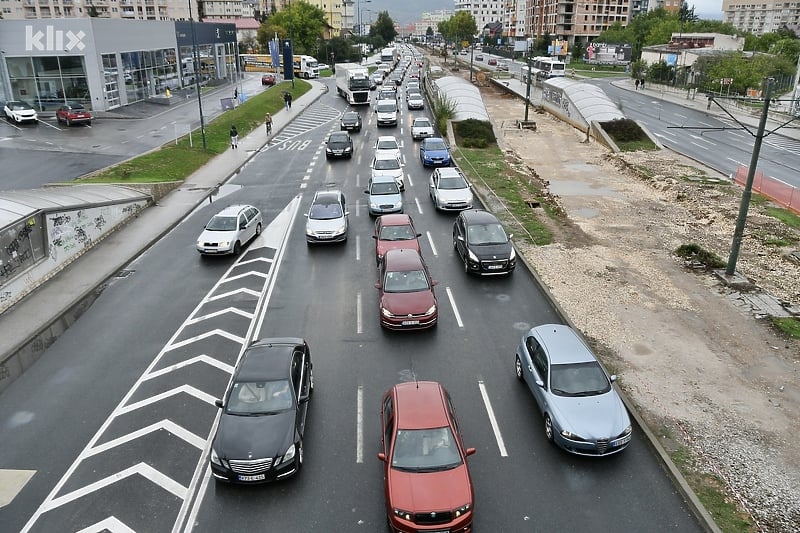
[(428, 486), (20, 112), (73, 113), (492, 61), (479, 57), (433, 152), (351, 121), (384, 196), (582, 412), (327, 218), (421, 128), (390, 167), (502, 65), (339, 144), (268, 79), (415, 101), (394, 231), (406, 299), (387, 146), (482, 244), (229, 230), (449, 190), (260, 433)]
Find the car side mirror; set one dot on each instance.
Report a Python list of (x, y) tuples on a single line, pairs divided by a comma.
[(347, 213), (434, 282), (540, 383), (470, 451), (382, 456), (613, 378), (510, 236), (218, 403), (366, 192), (305, 215), (375, 237), (304, 398), (242, 225), (460, 238), (419, 234)]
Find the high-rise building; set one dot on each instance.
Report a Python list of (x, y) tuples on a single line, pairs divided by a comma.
[(764, 17), (483, 11), (577, 22)]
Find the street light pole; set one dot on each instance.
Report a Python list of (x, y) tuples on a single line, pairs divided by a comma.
[(196, 54), (528, 86)]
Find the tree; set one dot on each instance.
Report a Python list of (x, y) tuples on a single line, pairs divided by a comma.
[(383, 28), (460, 27), (301, 22), (93, 11), (686, 13), (429, 34)]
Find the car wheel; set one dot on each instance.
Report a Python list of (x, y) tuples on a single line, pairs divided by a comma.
[(89, 123), (258, 229), (237, 248), (466, 265), (548, 428), (518, 367)]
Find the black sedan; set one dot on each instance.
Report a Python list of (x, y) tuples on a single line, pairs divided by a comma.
[(351, 121), (482, 243), (339, 144), (260, 432)]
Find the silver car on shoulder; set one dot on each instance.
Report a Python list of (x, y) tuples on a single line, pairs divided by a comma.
[(449, 190), (583, 414), (229, 230)]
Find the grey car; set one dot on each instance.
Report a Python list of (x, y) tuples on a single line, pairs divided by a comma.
[(384, 196), (327, 218), (229, 230), (582, 412), (449, 190)]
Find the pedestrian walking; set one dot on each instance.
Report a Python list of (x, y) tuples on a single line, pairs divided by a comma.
[(286, 97), (636, 83), (268, 123), (641, 83), (236, 94), (290, 99), (234, 137)]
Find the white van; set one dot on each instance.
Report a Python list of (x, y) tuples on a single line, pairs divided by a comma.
[(387, 112)]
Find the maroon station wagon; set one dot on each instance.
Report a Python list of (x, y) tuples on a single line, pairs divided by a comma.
[(406, 297), (394, 231)]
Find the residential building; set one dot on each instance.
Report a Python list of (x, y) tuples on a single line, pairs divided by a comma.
[(483, 11), (578, 23), (764, 17), (335, 16), (515, 21), (431, 19)]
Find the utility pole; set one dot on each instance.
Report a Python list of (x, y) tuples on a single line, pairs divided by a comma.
[(471, 52), (795, 104), (751, 172), (197, 74), (528, 87)]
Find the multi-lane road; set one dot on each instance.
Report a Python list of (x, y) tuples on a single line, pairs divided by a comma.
[(114, 418)]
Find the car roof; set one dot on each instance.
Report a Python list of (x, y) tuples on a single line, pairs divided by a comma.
[(268, 359), (233, 210), (339, 134), (397, 219), (419, 404), (563, 345), (402, 259), (446, 172), (327, 197), (419, 119), (350, 113), (429, 140), (478, 216), (386, 138)]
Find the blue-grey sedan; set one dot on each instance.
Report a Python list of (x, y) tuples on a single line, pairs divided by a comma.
[(582, 412)]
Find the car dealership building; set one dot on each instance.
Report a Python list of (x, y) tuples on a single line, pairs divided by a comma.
[(108, 63)]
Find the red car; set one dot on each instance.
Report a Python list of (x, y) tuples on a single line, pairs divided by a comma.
[(73, 114), (492, 61), (268, 79), (427, 482), (394, 231), (407, 300)]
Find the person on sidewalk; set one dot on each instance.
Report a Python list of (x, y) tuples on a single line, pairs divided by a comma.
[(636, 83), (287, 99), (641, 83), (234, 137), (268, 122)]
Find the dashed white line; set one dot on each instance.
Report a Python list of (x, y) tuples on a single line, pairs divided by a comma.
[(455, 308), (358, 207), (359, 323), (408, 178), (419, 205), (360, 424), (430, 241), (493, 420), (358, 247)]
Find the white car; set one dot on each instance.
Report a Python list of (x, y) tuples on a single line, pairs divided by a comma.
[(20, 111), (421, 128), (415, 101), (386, 110), (327, 218), (387, 146), (449, 190), (412, 85), (229, 230), (390, 167)]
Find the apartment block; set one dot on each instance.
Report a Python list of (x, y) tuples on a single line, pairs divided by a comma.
[(763, 17)]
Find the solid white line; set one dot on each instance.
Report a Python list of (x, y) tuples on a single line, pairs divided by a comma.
[(419, 205), (228, 369), (430, 241), (453, 304), (359, 324), (492, 420), (699, 145), (360, 424)]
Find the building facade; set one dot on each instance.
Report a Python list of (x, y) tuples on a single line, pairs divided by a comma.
[(764, 17), (577, 22), (483, 11)]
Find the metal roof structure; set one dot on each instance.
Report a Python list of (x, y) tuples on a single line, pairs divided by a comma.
[(465, 96), (590, 101)]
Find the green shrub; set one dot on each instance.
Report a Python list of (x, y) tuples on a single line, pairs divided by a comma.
[(475, 129), (695, 252), (624, 130)]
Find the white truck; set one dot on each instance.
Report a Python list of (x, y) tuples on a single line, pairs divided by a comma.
[(352, 82)]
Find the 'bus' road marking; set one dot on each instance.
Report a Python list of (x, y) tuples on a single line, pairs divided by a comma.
[(493, 420)]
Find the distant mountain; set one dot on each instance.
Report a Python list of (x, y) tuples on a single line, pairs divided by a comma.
[(404, 11)]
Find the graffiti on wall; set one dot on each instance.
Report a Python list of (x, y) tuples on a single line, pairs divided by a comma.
[(19, 244)]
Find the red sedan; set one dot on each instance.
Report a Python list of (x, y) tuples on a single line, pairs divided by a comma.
[(392, 232), (268, 79), (73, 114), (407, 300), (427, 482)]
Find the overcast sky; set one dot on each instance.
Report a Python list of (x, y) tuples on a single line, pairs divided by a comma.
[(405, 11)]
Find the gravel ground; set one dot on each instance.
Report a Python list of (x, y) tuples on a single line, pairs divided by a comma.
[(704, 370)]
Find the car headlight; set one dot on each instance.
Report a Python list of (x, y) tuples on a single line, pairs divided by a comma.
[(348, 149), (340, 230), (570, 435), (627, 431), (461, 511), (512, 255), (405, 515), (199, 243), (328, 151), (216, 459), (431, 310), (224, 244), (473, 257), (288, 456), (373, 205), (385, 312)]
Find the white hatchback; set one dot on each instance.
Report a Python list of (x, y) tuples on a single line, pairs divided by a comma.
[(390, 167), (421, 128), (387, 146)]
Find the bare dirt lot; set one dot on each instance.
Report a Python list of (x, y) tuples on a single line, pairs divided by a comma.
[(703, 369)]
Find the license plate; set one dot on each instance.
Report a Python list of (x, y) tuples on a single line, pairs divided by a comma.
[(619, 442), (494, 267), (258, 477), (411, 322)]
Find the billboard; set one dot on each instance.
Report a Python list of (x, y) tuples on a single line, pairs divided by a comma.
[(607, 54)]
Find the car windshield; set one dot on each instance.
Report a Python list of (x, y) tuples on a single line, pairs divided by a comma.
[(388, 187), (338, 139), (405, 281), (76, 107), (390, 144), (397, 233), (325, 211), (435, 145), (386, 164), (252, 398), (425, 450), (579, 379), (350, 117), (19, 106), (221, 223), (421, 124), (387, 108), (452, 182), (486, 234)]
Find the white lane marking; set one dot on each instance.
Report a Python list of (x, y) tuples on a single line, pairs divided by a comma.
[(11, 483), (360, 424), (359, 324), (699, 145), (419, 205), (210, 361), (167, 425), (306, 177), (303, 185), (430, 241), (679, 115), (492, 419), (408, 179), (455, 308), (358, 247), (112, 523), (358, 207)]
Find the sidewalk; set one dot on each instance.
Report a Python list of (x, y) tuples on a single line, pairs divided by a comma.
[(33, 324)]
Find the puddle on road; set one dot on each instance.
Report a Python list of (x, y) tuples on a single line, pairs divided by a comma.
[(580, 188)]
